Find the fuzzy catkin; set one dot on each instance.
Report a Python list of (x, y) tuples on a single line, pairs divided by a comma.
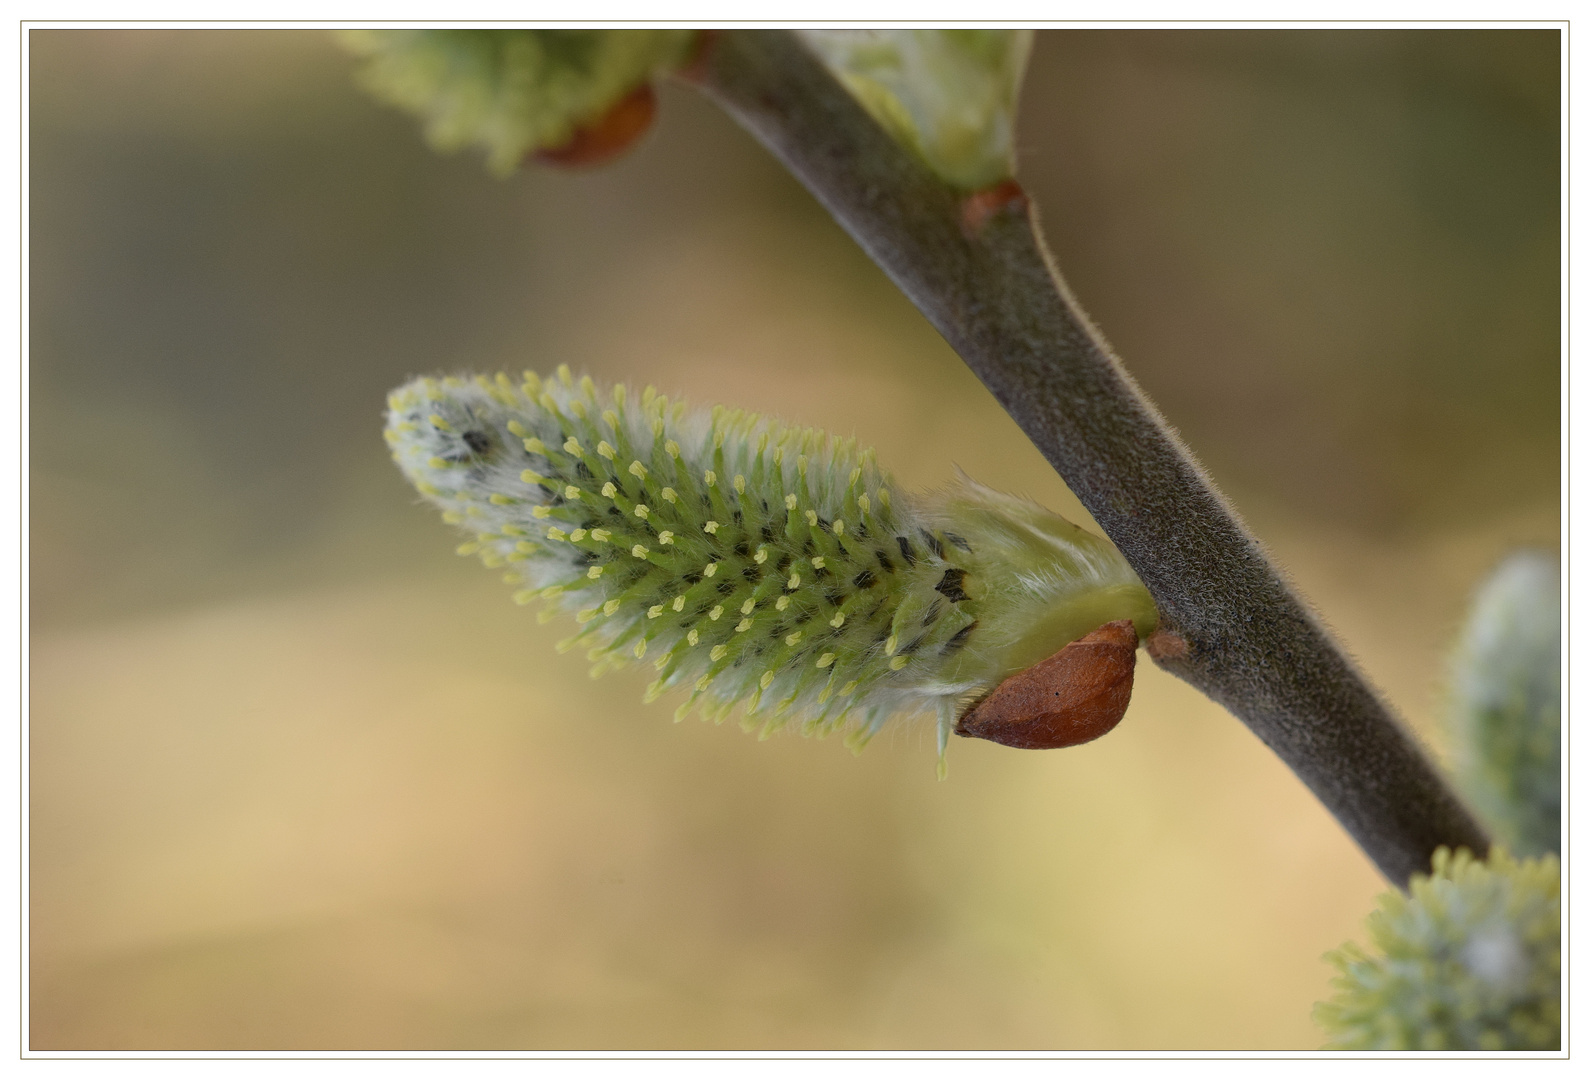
[(751, 563), (1469, 959)]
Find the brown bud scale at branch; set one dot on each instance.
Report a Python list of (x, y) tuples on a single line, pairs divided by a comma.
[(609, 136), (979, 206), (1078, 694)]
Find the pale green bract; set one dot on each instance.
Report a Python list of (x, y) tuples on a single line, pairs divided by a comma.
[(948, 95), (753, 564), (511, 92), (1471, 960), (1505, 714)]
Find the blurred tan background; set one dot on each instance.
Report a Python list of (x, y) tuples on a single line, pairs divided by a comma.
[(303, 779)]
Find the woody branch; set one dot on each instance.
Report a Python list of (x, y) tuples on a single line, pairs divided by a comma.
[(978, 269)]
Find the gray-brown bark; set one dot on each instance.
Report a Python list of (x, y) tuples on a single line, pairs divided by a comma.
[(995, 295)]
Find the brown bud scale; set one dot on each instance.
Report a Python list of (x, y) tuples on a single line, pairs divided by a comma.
[(980, 206), (609, 135), (1073, 697)]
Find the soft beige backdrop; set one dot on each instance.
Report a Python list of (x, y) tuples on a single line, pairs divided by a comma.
[(301, 779)]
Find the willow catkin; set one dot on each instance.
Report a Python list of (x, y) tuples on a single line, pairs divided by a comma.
[(749, 562)]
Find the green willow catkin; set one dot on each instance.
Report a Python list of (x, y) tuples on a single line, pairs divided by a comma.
[(1470, 958), (751, 563)]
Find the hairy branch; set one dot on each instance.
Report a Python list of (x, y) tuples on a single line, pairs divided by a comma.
[(978, 269)]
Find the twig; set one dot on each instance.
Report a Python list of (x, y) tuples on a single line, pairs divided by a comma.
[(978, 269)]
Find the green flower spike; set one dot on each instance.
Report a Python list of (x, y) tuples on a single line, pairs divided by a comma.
[(948, 95), (751, 563), (1505, 713), (1470, 961), (515, 92)]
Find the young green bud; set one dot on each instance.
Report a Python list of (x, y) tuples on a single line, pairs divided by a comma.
[(947, 95), (1470, 959), (804, 586), (1505, 712)]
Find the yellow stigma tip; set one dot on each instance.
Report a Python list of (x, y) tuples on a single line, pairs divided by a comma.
[(671, 448), (640, 551), (637, 469), (670, 495), (438, 463), (781, 603), (766, 680), (794, 581), (811, 518), (748, 607), (541, 511), (604, 449), (601, 535), (792, 639), (642, 511), (535, 446), (710, 527), (679, 603), (524, 596), (609, 490), (739, 483), (610, 607), (555, 533), (760, 556), (716, 613), (693, 637), (571, 492), (665, 537), (892, 644), (897, 663), (838, 620), (710, 477), (439, 423), (718, 652), (825, 659), (572, 445), (710, 569), (500, 500), (594, 572), (819, 562), (530, 476), (517, 429), (789, 502), (742, 626)]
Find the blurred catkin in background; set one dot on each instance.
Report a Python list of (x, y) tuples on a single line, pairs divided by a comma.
[(302, 779)]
